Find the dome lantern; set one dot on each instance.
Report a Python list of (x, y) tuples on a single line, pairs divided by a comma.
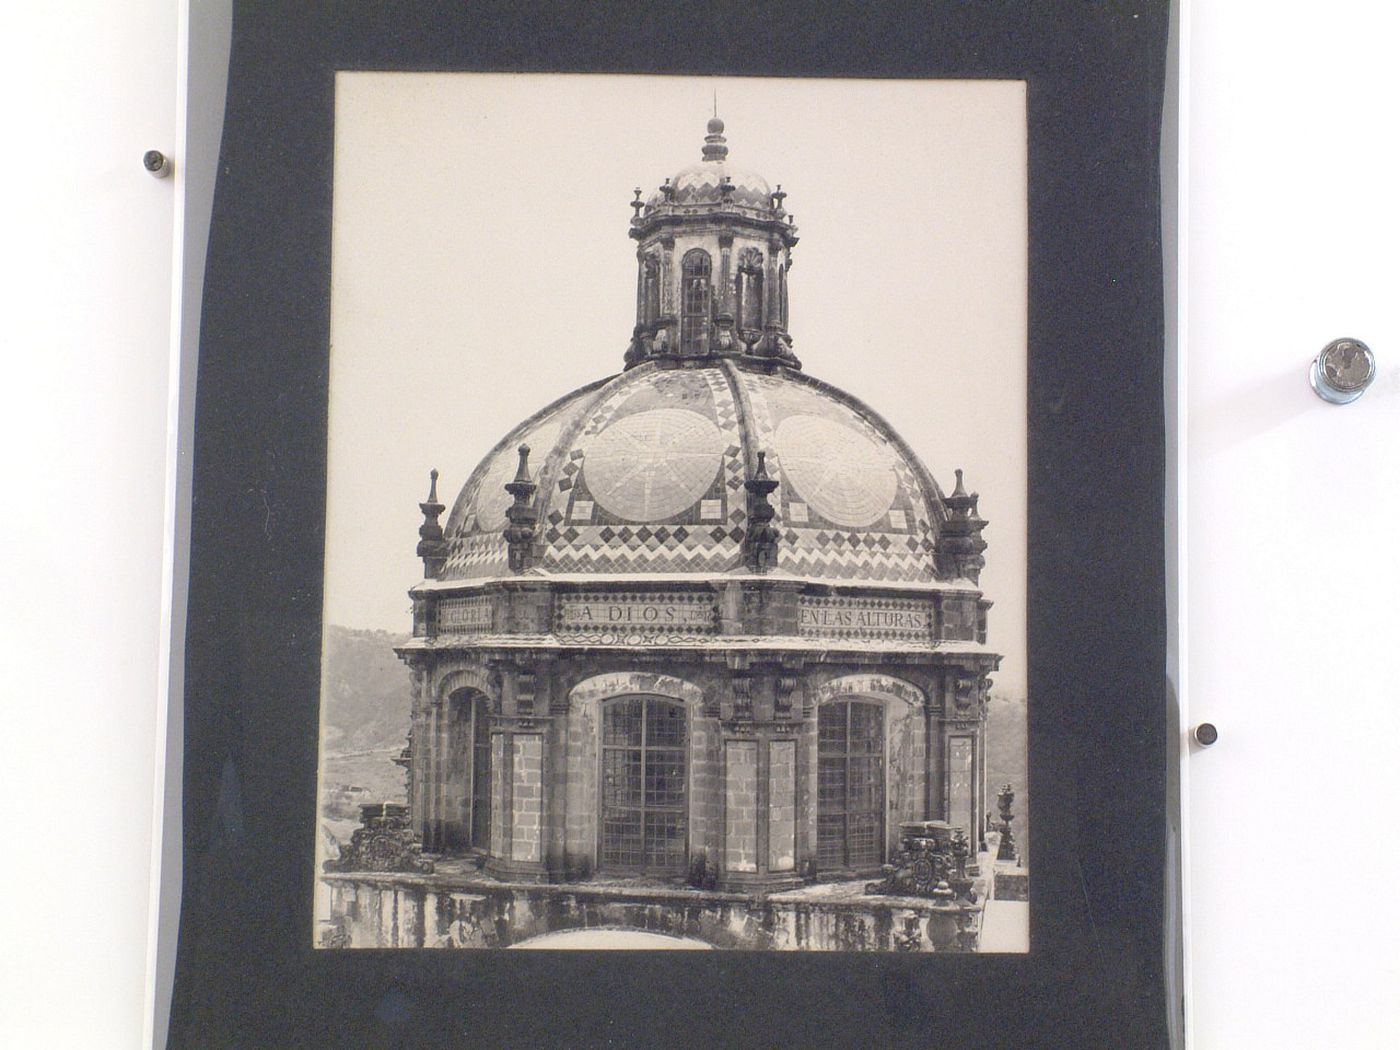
[(713, 250)]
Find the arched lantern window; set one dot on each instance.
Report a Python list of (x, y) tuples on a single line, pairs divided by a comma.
[(748, 291), (695, 301)]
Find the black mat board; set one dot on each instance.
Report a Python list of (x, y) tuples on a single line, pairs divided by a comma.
[(1102, 970)]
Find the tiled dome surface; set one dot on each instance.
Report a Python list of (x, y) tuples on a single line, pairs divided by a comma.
[(699, 184), (643, 473)]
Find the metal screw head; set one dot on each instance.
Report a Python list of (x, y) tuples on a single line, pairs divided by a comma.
[(156, 162), (1205, 734), (1343, 370)]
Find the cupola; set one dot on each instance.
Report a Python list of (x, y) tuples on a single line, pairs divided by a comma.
[(714, 244)]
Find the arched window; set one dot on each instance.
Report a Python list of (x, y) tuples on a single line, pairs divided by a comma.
[(644, 785), (651, 289), (466, 773), (850, 785), (748, 291), (695, 302)]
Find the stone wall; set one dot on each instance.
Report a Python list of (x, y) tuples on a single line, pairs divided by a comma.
[(407, 911), (741, 805), (751, 757), (782, 805), (581, 794), (706, 787), (527, 801)]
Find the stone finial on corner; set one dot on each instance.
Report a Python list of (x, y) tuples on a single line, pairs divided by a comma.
[(960, 542), (762, 538), (432, 548), (521, 514)]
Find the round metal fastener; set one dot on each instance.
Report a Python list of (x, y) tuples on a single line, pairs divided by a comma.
[(156, 162), (1342, 371), (1205, 734)]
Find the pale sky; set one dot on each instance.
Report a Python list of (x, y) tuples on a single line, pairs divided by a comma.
[(481, 268)]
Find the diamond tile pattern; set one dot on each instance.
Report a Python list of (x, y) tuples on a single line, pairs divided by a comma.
[(578, 535)]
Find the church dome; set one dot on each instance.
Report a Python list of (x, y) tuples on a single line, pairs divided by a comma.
[(700, 184), (712, 453), (704, 182), (644, 473)]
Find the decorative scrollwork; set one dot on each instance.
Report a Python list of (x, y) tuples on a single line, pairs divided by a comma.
[(931, 862), (383, 842)]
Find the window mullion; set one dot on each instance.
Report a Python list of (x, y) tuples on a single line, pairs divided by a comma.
[(642, 795), (846, 802)]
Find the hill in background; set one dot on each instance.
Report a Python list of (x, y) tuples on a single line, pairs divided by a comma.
[(366, 691), (365, 718)]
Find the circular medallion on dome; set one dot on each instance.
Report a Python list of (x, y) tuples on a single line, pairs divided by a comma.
[(843, 475), (492, 499), (654, 464)]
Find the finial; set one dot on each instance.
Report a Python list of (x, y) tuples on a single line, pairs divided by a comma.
[(960, 543), (762, 537), (523, 472), (715, 99), (667, 190), (521, 515), (432, 547), (636, 202), (714, 148)]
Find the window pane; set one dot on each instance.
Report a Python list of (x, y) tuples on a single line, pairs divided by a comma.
[(665, 724), (865, 782), (867, 725), (831, 727), (864, 843), (622, 778), (665, 779), (664, 839), (622, 723), (831, 783), (622, 841), (831, 833)]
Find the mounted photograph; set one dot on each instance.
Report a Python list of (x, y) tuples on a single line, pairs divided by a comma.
[(675, 593)]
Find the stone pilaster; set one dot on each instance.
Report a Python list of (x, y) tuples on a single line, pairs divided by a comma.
[(670, 308)]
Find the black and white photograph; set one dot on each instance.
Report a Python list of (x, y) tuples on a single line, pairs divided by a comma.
[(676, 516)]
